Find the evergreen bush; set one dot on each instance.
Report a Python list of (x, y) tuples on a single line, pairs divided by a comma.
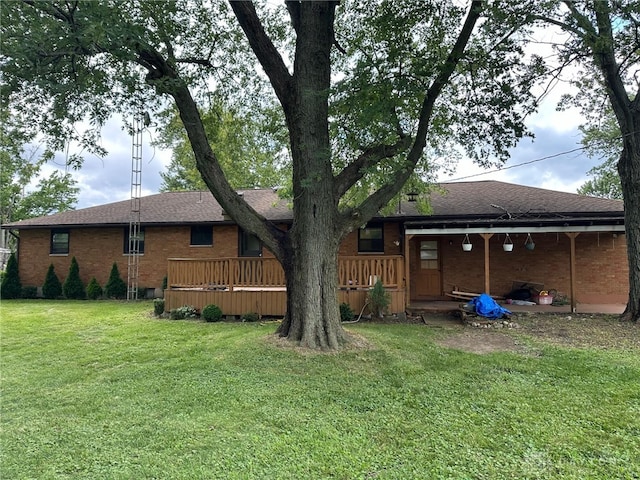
[(72, 288), (346, 313), (52, 287), (11, 286), (158, 306), (379, 300), (115, 286), (29, 292), (212, 313), (94, 290)]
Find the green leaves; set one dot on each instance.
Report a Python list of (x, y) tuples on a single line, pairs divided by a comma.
[(21, 164), (252, 149)]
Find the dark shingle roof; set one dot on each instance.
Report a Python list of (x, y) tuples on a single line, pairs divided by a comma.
[(491, 197), (168, 208), (464, 200)]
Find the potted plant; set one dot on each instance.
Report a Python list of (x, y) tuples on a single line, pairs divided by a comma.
[(507, 246)]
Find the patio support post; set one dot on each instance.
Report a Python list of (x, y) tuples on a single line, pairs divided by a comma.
[(487, 279), (572, 269), (407, 274)]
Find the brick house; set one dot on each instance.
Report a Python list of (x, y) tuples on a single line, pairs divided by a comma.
[(570, 243)]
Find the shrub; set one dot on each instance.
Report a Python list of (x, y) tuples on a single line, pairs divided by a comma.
[(158, 307), (164, 284), (94, 290), (29, 292), (346, 313), (115, 286), (379, 300), (11, 286), (212, 313), (186, 311), (72, 287), (250, 317), (52, 287)]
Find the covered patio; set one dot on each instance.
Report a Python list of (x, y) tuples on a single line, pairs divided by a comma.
[(576, 263)]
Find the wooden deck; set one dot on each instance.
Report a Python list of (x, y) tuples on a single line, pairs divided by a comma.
[(243, 285)]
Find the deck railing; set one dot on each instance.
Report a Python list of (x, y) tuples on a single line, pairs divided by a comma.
[(224, 273), (358, 272), (230, 273)]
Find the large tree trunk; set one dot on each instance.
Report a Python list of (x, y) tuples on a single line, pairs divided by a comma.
[(626, 108), (313, 317), (629, 170), (311, 269)]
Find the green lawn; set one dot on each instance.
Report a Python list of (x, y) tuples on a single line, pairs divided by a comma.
[(102, 390)]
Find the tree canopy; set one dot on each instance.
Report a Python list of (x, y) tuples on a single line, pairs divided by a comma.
[(604, 142), (251, 148), (25, 192)]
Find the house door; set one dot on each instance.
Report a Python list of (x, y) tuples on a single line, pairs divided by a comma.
[(425, 269)]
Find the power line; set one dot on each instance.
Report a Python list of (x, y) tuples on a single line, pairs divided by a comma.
[(519, 164), (621, 137)]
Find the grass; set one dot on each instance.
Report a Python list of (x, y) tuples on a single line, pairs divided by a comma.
[(103, 390)]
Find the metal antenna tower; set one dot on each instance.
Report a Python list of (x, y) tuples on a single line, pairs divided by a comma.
[(135, 234)]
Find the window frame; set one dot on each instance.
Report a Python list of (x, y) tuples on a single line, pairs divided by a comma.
[(371, 244), (243, 247), (58, 251), (125, 246), (201, 231)]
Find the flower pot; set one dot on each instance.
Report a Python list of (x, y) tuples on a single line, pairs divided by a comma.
[(466, 244), (528, 243), (507, 246)]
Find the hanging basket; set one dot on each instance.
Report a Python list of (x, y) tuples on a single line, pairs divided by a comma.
[(466, 244), (528, 243), (507, 246)]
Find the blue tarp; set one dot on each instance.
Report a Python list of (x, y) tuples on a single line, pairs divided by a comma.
[(486, 306)]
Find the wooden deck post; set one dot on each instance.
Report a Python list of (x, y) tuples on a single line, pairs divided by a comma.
[(487, 279), (572, 268)]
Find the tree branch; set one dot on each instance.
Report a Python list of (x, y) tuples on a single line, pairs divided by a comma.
[(265, 51), (367, 159), (196, 61), (294, 13), (383, 195), (604, 56)]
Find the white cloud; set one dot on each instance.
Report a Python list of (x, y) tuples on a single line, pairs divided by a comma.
[(108, 179)]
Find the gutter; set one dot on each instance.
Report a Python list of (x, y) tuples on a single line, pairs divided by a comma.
[(507, 229)]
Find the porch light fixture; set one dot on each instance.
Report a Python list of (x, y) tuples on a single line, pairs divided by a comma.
[(507, 246), (528, 243), (466, 244), (412, 196)]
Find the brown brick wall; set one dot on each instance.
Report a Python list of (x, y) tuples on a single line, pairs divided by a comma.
[(96, 249), (391, 233), (602, 271)]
